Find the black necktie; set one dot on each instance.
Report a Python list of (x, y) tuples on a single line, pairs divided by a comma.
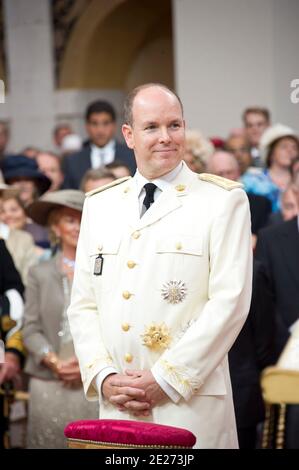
[(149, 194)]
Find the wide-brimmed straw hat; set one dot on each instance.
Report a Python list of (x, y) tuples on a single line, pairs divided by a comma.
[(272, 134), (39, 210)]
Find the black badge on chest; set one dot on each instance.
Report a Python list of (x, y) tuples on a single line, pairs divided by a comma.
[(98, 265)]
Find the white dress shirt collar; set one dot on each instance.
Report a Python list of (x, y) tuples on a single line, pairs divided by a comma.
[(162, 183), (108, 147), (101, 156)]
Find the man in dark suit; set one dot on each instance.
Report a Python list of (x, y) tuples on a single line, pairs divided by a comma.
[(289, 205), (101, 149), (252, 351), (260, 210), (278, 249)]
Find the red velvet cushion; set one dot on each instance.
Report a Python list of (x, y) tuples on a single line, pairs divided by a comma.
[(129, 432)]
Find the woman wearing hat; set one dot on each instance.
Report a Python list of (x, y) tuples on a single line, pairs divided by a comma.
[(19, 243), (22, 172), (15, 217), (279, 147), (56, 393)]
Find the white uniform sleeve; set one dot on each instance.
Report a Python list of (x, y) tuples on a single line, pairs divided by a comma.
[(167, 388)]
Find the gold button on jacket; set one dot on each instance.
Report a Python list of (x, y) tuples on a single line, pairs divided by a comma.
[(125, 326), (131, 264), (136, 235), (128, 357), (126, 294), (180, 187)]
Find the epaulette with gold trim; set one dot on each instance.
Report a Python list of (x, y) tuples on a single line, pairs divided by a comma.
[(107, 186), (219, 181)]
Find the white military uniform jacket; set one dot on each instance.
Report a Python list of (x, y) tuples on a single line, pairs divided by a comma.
[(173, 294)]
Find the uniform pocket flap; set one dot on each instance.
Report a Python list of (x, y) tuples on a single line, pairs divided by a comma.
[(105, 247), (185, 244)]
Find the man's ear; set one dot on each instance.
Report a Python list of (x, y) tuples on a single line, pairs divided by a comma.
[(128, 135)]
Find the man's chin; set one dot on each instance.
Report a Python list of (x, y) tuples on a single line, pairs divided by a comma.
[(100, 143), (167, 164)]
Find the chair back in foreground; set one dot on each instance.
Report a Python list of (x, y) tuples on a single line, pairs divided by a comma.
[(280, 387)]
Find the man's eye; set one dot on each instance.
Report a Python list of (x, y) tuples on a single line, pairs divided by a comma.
[(150, 127), (175, 125)]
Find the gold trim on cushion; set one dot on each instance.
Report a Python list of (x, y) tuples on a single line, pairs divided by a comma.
[(86, 444)]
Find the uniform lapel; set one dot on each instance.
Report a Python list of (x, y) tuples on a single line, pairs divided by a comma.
[(166, 203), (130, 210), (170, 200)]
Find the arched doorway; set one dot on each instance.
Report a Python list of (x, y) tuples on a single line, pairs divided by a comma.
[(118, 45)]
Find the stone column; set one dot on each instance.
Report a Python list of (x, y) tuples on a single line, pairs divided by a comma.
[(30, 72)]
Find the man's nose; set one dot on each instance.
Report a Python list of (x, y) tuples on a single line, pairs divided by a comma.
[(164, 135)]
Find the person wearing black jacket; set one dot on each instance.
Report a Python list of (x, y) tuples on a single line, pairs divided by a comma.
[(278, 249), (11, 312), (260, 210), (100, 150), (252, 351)]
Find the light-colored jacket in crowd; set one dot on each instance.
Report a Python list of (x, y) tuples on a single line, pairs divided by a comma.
[(43, 315), (21, 246)]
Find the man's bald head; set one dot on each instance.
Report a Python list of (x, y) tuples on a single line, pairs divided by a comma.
[(130, 98), (224, 164), (157, 132)]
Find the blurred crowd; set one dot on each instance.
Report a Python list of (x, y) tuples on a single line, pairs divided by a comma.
[(41, 201)]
